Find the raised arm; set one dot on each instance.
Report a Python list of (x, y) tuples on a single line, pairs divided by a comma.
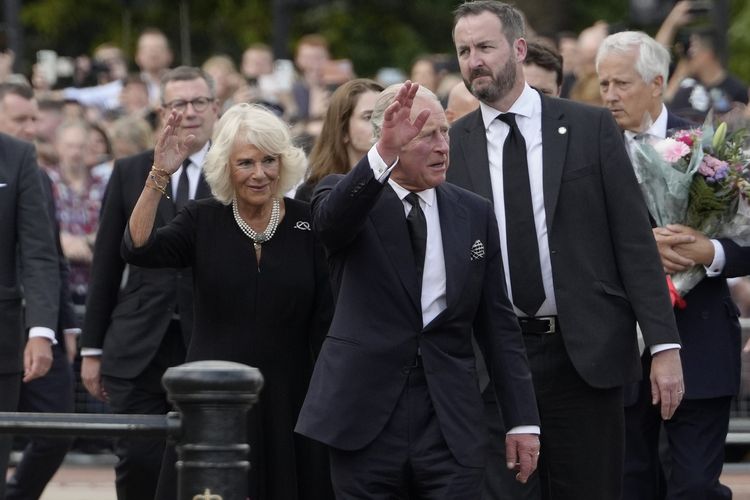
[(169, 154)]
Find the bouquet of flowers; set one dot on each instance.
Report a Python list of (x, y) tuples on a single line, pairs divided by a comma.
[(700, 178)]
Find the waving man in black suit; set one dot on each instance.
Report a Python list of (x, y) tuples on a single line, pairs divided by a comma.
[(416, 267)]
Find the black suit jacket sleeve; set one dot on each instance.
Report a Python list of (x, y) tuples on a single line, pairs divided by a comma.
[(107, 267), (737, 259), (67, 317), (499, 336), (39, 262), (338, 227), (169, 246)]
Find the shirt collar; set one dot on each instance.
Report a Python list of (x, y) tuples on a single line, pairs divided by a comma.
[(526, 104), (658, 127), (427, 196), (197, 158)]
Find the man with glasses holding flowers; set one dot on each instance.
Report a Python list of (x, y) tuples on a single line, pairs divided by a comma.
[(138, 321)]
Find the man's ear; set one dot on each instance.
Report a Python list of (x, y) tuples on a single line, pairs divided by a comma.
[(520, 48), (658, 86)]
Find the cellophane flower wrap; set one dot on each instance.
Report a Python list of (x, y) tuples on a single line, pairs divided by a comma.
[(699, 178)]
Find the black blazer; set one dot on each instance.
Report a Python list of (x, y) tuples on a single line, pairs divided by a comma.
[(377, 325), (127, 313), (605, 265), (27, 253)]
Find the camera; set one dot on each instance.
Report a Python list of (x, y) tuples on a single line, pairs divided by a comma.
[(700, 7)]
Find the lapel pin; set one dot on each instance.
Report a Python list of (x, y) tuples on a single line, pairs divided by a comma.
[(562, 130)]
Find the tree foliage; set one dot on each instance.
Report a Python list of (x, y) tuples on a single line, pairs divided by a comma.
[(371, 34)]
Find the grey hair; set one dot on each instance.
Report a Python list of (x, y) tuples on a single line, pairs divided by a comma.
[(652, 58), (512, 20), (187, 73), (256, 125), (385, 98)]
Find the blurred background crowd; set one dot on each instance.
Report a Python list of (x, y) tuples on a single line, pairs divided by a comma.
[(82, 79)]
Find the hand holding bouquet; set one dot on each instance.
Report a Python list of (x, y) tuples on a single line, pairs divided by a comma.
[(698, 178)]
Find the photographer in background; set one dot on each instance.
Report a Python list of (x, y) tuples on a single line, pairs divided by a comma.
[(708, 85), (699, 81), (108, 68)]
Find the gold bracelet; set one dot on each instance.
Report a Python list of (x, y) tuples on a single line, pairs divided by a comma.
[(156, 187), (160, 171), (155, 180)]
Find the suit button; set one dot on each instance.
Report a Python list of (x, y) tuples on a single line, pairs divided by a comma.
[(405, 370)]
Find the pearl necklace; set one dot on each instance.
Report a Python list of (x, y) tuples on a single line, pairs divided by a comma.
[(267, 234)]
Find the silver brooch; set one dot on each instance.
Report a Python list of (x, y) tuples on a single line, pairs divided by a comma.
[(302, 225)]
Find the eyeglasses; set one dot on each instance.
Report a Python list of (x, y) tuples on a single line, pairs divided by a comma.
[(199, 104)]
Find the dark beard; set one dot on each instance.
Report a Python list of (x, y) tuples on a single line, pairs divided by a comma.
[(501, 85)]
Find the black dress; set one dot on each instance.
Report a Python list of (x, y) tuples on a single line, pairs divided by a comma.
[(272, 315)]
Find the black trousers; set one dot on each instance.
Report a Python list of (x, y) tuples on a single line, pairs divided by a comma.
[(10, 386), (137, 470), (408, 460), (582, 439), (696, 435), (52, 393)]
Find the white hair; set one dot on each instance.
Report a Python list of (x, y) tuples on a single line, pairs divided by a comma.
[(652, 58), (251, 124), (386, 97)]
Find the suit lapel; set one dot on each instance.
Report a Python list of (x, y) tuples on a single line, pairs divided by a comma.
[(454, 226), (555, 133), (474, 150), (390, 223)]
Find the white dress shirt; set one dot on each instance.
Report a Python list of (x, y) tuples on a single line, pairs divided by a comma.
[(433, 275), (528, 111), (193, 172)]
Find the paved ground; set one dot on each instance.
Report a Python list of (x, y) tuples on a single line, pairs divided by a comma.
[(81, 478)]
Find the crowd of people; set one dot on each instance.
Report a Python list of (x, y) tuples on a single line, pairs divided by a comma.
[(438, 273)]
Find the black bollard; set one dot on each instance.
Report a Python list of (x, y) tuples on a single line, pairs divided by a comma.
[(213, 398)]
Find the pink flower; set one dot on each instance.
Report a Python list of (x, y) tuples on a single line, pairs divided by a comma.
[(671, 150), (684, 136)]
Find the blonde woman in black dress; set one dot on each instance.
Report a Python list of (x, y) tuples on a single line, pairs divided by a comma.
[(261, 289)]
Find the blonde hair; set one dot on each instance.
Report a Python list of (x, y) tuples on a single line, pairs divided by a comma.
[(251, 124)]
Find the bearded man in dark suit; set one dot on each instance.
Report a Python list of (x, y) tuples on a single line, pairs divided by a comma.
[(582, 264)]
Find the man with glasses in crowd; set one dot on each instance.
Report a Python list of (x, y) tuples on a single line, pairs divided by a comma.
[(138, 321)]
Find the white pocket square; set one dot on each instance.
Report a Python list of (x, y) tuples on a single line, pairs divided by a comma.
[(477, 250), (2, 185)]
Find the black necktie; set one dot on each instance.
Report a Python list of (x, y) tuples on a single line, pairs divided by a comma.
[(523, 249), (417, 225), (183, 188)]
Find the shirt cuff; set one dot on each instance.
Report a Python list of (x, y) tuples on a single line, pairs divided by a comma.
[(720, 259), (72, 331), (91, 351), (43, 331), (662, 347), (378, 166), (525, 429)]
